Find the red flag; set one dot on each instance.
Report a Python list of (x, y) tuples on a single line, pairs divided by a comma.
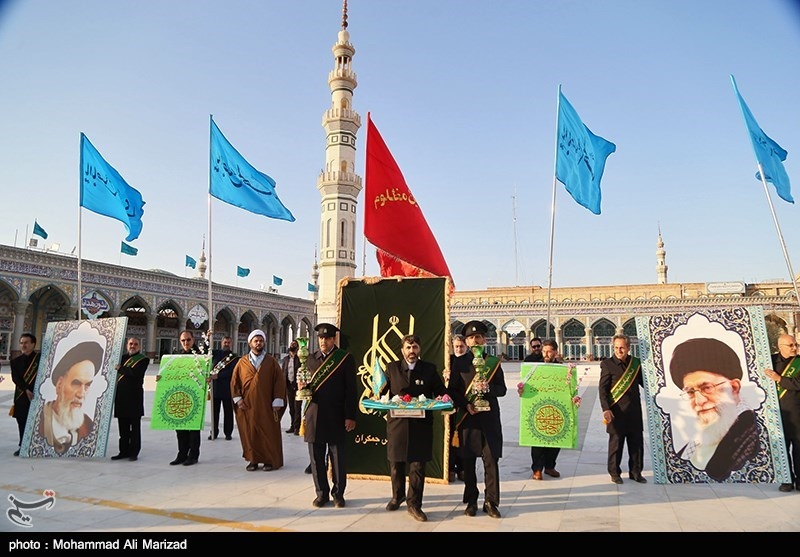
[(393, 220)]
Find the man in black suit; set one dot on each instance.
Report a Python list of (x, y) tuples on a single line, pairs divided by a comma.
[(290, 365), (221, 388), (129, 400), (410, 440), (618, 388), (330, 414), (23, 373), (786, 374)]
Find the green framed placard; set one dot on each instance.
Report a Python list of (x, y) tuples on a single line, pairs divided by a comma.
[(547, 416), (181, 388)]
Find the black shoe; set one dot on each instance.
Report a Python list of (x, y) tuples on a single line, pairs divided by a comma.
[(471, 510), (491, 510), (252, 467), (639, 479), (460, 475), (178, 460), (417, 513), (133, 458), (16, 453), (338, 502), (213, 436), (290, 430), (119, 456), (297, 432), (394, 504), (189, 461), (228, 438), (268, 468), (616, 479), (320, 502), (308, 469), (786, 488)]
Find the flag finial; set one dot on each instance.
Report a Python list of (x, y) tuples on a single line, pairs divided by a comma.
[(344, 14)]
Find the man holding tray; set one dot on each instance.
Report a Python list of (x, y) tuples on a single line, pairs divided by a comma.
[(410, 439)]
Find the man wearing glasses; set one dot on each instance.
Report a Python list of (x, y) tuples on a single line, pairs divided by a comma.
[(709, 374), (188, 440), (536, 351), (786, 374)]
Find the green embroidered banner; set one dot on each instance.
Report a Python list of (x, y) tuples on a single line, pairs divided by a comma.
[(180, 398), (547, 416), (373, 319)]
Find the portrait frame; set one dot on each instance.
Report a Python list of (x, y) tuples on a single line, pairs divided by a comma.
[(59, 338), (671, 423)]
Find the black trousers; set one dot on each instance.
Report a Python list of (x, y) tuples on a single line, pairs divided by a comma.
[(295, 408), (793, 450), (543, 458), (227, 416), (616, 443), (491, 479), (416, 482), (188, 443), (22, 418), (319, 469), (130, 436)]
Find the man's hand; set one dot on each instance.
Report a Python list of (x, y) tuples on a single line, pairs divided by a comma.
[(470, 408), (349, 425), (608, 416), (771, 374), (242, 405)]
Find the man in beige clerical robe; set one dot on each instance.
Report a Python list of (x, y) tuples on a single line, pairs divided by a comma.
[(258, 389)]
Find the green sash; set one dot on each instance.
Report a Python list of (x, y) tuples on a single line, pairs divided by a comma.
[(326, 370), (493, 363), (130, 362), (624, 383), (791, 371), (29, 374)]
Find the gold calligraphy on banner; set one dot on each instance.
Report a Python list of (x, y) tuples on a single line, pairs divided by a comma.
[(381, 199), (381, 350)]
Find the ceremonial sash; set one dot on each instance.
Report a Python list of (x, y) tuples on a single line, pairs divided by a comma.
[(493, 363), (330, 365), (27, 377), (130, 362), (791, 371), (626, 380)]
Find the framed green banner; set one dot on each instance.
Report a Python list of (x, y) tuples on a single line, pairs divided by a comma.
[(180, 396), (375, 314), (547, 416)]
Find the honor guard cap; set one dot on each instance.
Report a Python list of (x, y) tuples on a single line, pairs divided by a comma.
[(704, 354), (474, 328), (326, 330)]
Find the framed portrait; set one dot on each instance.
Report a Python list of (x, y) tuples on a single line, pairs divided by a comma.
[(712, 414), (73, 401)]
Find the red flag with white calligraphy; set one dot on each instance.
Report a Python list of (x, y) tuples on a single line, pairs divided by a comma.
[(393, 220)]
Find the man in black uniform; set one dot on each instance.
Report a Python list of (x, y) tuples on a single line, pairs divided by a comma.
[(188, 440), (329, 414), (129, 400), (479, 433), (410, 440), (225, 360), (620, 379), (460, 360), (23, 374), (787, 376)]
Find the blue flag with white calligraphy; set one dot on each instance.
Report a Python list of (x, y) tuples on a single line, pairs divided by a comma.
[(104, 192), (236, 181), (580, 157), (242, 272), (39, 231), (190, 262), (768, 153)]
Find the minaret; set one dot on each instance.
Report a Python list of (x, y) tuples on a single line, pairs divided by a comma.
[(201, 267), (661, 260), (338, 183)]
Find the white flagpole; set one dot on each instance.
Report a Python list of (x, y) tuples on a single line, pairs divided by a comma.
[(778, 229), (552, 220), (80, 283)]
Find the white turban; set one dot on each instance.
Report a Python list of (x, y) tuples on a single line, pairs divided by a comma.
[(257, 332)]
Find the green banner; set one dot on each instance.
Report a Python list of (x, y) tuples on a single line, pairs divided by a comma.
[(373, 319), (547, 416), (180, 398)]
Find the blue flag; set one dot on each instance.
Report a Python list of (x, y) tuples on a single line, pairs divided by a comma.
[(190, 262), (128, 250), (769, 154), (39, 231), (277, 281), (104, 192), (581, 157), (242, 272), (235, 181), (311, 287)]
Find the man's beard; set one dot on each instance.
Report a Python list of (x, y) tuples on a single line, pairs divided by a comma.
[(69, 417), (714, 426)]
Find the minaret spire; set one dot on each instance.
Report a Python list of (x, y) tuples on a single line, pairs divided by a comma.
[(344, 15), (661, 259)]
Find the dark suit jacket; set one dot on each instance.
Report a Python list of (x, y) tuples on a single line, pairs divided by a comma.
[(129, 394), (333, 402), (19, 366), (411, 439), (628, 410), (285, 366), (222, 384), (790, 402)]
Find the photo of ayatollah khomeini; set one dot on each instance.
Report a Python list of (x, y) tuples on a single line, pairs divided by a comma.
[(709, 374), (64, 421)]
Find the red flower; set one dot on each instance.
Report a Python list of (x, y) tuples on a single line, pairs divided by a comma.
[(406, 398)]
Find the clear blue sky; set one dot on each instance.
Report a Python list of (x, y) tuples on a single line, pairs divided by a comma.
[(463, 92)]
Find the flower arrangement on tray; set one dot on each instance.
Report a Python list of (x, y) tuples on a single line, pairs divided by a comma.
[(407, 402)]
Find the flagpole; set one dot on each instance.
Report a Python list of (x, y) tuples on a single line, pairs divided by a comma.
[(552, 220), (210, 306), (80, 224), (778, 229)]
